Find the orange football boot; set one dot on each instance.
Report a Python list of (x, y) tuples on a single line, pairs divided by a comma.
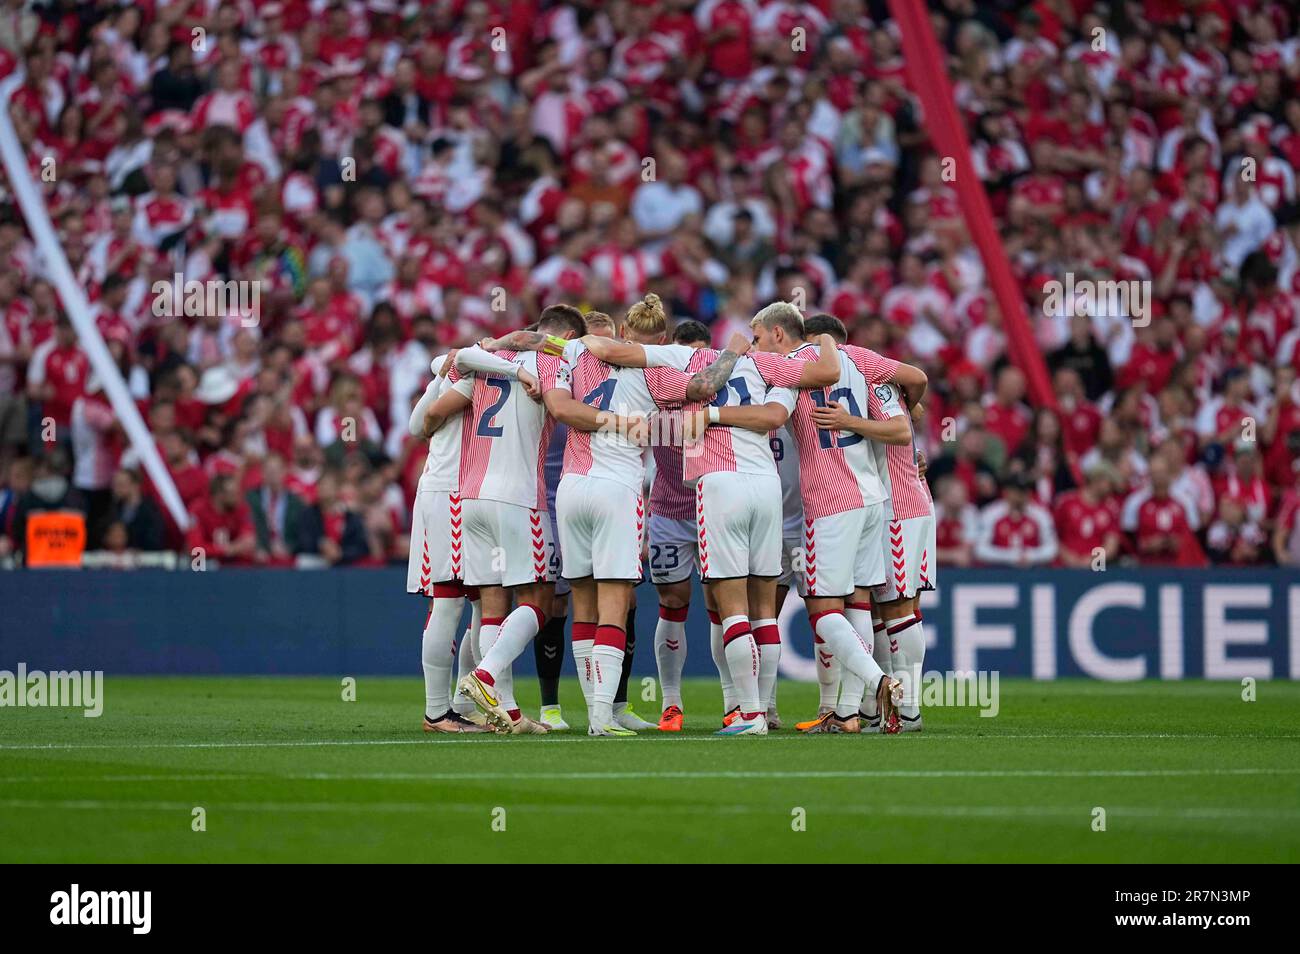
[(671, 720)]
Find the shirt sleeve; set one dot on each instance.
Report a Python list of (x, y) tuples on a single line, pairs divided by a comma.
[(564, 376), (883, 403), (667, 385), (548, 372), (876, 368), (668, 356), (786, 397), (777, 370)]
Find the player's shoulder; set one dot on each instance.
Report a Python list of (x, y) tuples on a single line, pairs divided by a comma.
[(574, 350)]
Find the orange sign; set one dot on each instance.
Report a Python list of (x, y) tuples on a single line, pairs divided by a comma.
[(56, 538)]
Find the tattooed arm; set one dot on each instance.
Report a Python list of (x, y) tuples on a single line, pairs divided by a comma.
[(709, 381), (516, 341)]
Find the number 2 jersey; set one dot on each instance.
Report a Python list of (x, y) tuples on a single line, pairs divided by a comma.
[(757, 378), (606, 387), (505, 434)]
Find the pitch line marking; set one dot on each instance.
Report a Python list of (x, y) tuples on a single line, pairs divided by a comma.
[(957, 735), (652, 776), (907, 811)]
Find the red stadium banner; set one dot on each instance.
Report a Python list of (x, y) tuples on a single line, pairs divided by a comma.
[(927, 75)]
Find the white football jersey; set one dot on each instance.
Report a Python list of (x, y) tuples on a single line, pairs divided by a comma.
[(442, 465), (758, 378), (506, 433), (623, 391)]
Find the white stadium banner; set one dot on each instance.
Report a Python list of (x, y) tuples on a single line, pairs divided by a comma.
[(78, 309)]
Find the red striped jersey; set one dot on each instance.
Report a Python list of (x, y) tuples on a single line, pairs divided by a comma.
[(907, 493), (758, 378), (837, 469), (506, 433), (670, 497), (622, 391), (442, 465)]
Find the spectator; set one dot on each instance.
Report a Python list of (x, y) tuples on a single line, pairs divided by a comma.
[(1162, 525), (956, 524), (1014, 531), (276, 512), (1087, 521), (221, 525), (136, 514), (329, 528)]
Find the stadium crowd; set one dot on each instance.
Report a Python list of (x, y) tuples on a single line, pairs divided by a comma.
[(405, 177)]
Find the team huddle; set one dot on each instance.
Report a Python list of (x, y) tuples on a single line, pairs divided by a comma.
[(785, 461)]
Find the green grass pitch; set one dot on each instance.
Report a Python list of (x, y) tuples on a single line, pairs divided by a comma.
[(285, 770)]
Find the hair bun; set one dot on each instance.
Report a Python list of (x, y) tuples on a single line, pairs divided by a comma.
[(652, 300)]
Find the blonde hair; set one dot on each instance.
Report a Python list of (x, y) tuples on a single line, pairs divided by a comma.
[(597, 318), (780, 314), (647, 316)]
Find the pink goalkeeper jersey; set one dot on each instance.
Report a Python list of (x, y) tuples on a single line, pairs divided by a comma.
[(505, 434), (837, 469), (622, 391), (758, 378)]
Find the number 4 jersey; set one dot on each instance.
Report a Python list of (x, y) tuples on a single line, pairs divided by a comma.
[(621, 391)]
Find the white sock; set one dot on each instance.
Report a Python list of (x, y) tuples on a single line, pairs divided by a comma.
[(743, 661), (828, 674), (907, 650), (880, 653), (606, 669), (436, 649), (670, 653), (769, 660), (516, 632), (467, 657), (584, 638), (503, 683), (858, 669), (729, 700)]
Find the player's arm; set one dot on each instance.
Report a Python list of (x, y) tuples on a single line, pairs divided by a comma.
[(477, 360), (445, 407), (709, 381), (567, 409), (913, 381), (752, 417), (624, 354), (415, 424), (834, 417), (825, 371), (525, 341)]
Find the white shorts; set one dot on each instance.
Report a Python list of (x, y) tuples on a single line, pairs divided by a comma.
[(507, 545), (601, 523), (437, 541), (842, 551), (790, 556), (738, 519), (909, 551), (672, 549)]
